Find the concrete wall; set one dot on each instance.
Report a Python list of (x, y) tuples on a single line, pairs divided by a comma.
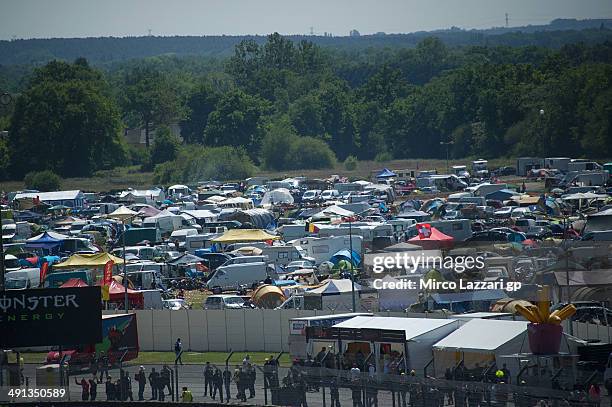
[(257, 329)]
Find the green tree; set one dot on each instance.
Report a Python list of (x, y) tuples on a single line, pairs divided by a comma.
[(42, 181), (65, 121), (237, 121), (149, 99), (199, 106), (165, 146)]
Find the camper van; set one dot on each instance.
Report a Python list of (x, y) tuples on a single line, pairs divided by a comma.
[(22, 279), (293, 231), (284, 254), (480, 168), (180, 236), (146, 280), (16, 232), (142, 252), (196, 242), (234, 273), (321, 249)]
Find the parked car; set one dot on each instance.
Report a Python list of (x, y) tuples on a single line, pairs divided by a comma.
[(312, 195), (222, 301)]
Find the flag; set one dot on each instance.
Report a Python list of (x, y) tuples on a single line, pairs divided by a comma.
[(311, 228), (108, 273), (105, 292), (43, 272), (424, 230)]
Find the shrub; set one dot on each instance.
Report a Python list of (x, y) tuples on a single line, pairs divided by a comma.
[(383, 156), (350, 164), (43, 181), (165, 146)]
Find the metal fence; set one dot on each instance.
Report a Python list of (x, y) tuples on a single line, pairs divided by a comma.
[(313, 386)]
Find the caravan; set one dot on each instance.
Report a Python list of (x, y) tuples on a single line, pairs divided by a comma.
[(321, 249)]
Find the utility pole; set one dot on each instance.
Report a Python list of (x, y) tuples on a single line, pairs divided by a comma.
[(5, 99), (351, 262), (506, 20)]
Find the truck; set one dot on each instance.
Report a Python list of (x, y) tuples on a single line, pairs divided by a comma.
[(237, 275), (119, 343)]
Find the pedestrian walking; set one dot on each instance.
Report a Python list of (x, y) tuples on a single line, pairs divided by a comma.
[(154, 383), (178, 349), (141, 379)]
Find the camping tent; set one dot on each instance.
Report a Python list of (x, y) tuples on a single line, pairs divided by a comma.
[(46, 240), (245, 235), (185, 259), (333, 287), (277, 196), (386, 173), (344, 254), (88, 261), (333, 210), (436, 240), (122, 214)]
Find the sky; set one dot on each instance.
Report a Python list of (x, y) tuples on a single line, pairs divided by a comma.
[(95, 18)]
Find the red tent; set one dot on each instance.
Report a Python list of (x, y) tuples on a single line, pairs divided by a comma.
[(74, 282), (116, 293), (437, 240)]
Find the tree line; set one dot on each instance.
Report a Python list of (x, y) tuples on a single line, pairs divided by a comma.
[(282, 105)]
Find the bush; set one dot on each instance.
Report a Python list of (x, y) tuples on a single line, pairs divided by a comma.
[(43, 181), (197, 163), (139, 155), (383, 156), (282, 149), (350, 164), (165, 146)]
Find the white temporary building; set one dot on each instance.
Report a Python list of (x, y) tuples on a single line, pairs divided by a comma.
[(481, 341), (412, 337), (391, 297)]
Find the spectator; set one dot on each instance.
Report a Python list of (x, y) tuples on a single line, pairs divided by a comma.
[(84, 388), (208, 373), (355, 373), (103, 365), (217, 384), (595, 394), (93, 388), (165, 378), (238, 380), (227, 380), (154, 383), (251, 377), (142, 381), (334, 393), (178, 349), (186, 396), (110, 389), (127, 387)]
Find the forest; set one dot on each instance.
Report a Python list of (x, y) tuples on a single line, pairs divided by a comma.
[(294, 104)]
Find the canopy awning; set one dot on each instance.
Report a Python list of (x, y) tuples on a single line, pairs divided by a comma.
[(74, 282), (245, 235), (436, 240), (88, 261), (386, 173), (122, 213), (46, 240)]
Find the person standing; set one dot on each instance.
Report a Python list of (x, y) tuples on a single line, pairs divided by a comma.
[(186, 396), (165, 378), (103, 365), (128, 386), (178, 349), (142, 381), (84, 388), (334, 393), (93, 388), (153, 382), (217, 382), (208, 372), (251, 377), (227, 380), (109, 389)]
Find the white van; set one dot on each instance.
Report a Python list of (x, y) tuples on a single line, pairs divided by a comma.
[(285, 254), (330, 194), (22, 279), (234, 275), (181, 236)]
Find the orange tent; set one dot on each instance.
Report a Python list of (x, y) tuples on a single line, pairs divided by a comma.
[(74, 282), (116, 293)]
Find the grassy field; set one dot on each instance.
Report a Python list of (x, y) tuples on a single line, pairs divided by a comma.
[(131, 177), (217, 358)]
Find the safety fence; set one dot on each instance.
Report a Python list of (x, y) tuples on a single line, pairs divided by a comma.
[(314, 386)]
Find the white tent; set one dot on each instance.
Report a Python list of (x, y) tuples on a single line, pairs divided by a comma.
[(277, 196), (335, 287), (481, 341), (122, 213), (333, 210), (419, 333)]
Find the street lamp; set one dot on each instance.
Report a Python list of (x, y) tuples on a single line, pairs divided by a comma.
[(447, 143), (5, 99)]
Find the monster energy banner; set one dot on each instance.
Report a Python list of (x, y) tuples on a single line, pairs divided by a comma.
[(53, 316)]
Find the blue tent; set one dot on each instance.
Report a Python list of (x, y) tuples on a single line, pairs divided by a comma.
[(43, 241), (386, 173), (344, 254), (501, 195)]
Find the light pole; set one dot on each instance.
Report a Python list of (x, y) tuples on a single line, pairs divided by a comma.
[(5, 99), (351, 262), (447, 143)]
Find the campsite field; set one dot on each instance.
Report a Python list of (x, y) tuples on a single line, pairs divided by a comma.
[(131, 177)]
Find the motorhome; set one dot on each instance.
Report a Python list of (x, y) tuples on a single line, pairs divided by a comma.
[(525, 164), (195, 242), (146, 280), (441, 182), (142, 252), (583, 165), (180, 236), (557, 163), (480, 167), (321, 249), (16, 232), (459, 229), (284, 254), (293, 231)]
